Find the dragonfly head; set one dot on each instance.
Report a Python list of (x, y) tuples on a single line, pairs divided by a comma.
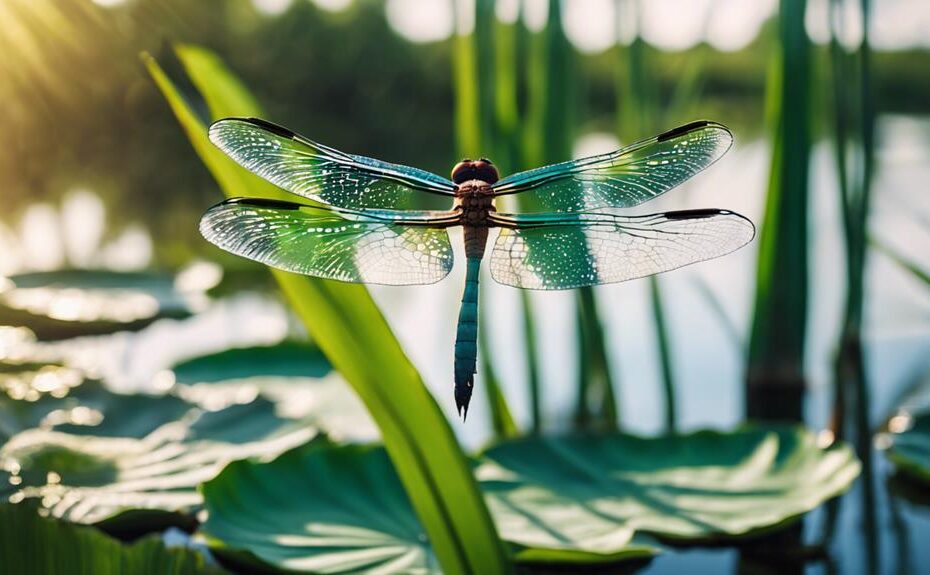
[(482, 169)]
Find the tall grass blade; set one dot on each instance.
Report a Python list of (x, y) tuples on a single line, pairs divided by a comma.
[(467, 100), (716, 306), (530, 151), (775, 378), (665, 355), (548, 138), (596, 407), (475, 130), (502, 422), (506, 107), (637, 116), (906, 263), (357, 340)]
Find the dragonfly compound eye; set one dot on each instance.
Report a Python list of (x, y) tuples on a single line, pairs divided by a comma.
[(485, 171), (463, 171)]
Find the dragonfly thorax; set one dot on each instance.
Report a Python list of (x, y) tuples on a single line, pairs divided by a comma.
[(475, 199)]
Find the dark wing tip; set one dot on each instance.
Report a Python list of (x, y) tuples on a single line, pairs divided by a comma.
[(272, 127), (696, 214), (257, 122), (264, 203), (688, 128)]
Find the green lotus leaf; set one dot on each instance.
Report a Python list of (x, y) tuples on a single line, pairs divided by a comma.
[(318, 508), (54, 396), (285, 359), (96, 478), (64, 304), (30, 391), (579, 497), (909, 448), (294, 375), (30, 544), (579, 500)]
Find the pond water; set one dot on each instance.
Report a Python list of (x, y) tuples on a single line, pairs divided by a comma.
[(708, 350)]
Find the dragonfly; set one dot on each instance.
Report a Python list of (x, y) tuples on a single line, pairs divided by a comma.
[(358, 226)]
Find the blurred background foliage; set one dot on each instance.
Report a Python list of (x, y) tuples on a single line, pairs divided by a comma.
[(80, 112)]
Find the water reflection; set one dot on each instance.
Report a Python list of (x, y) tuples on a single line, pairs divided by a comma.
[(72, 235)]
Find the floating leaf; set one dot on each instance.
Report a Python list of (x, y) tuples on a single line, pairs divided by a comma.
[(287, 373), (288, 358), (55, 396), (579, 498), (320, 509), (575, 500), (71, 303), (30, 544), (90, 479), (910, 444)]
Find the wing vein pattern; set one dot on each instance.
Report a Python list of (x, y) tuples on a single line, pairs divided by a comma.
[(621, 179), (564, 251), (362, 246), (321, 173)]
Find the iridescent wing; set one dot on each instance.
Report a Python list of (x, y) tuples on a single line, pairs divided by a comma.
[(563, 251), (360, 246), (318, 172), (625, 178)]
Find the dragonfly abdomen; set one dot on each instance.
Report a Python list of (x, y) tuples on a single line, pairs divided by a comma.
[(466, 338)]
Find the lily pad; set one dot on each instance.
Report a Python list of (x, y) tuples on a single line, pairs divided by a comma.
[(54, 396), (285, 359), (295, 375), (32, 544), (909, 447), (93, 479), (65, 304), (578, 498), (317, 509)]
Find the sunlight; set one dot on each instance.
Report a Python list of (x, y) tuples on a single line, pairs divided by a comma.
[(272, 7), (590, 24), (421, 21)]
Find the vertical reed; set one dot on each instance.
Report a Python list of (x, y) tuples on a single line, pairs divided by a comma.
[(474, 129), (775, 377), (637, 114), (854, 136)]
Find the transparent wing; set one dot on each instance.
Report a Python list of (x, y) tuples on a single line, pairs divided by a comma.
[(563, 251), (625, 178), (371, 246), (318, 172)]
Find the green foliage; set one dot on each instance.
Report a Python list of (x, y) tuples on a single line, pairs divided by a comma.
[(585, 498), (335, 509), (579, 500), (30, 545), (107, 472), (353, 334), (637, 117), (285, 359), (776, 349)]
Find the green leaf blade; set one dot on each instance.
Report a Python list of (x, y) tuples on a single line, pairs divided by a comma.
[(355, 337)]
